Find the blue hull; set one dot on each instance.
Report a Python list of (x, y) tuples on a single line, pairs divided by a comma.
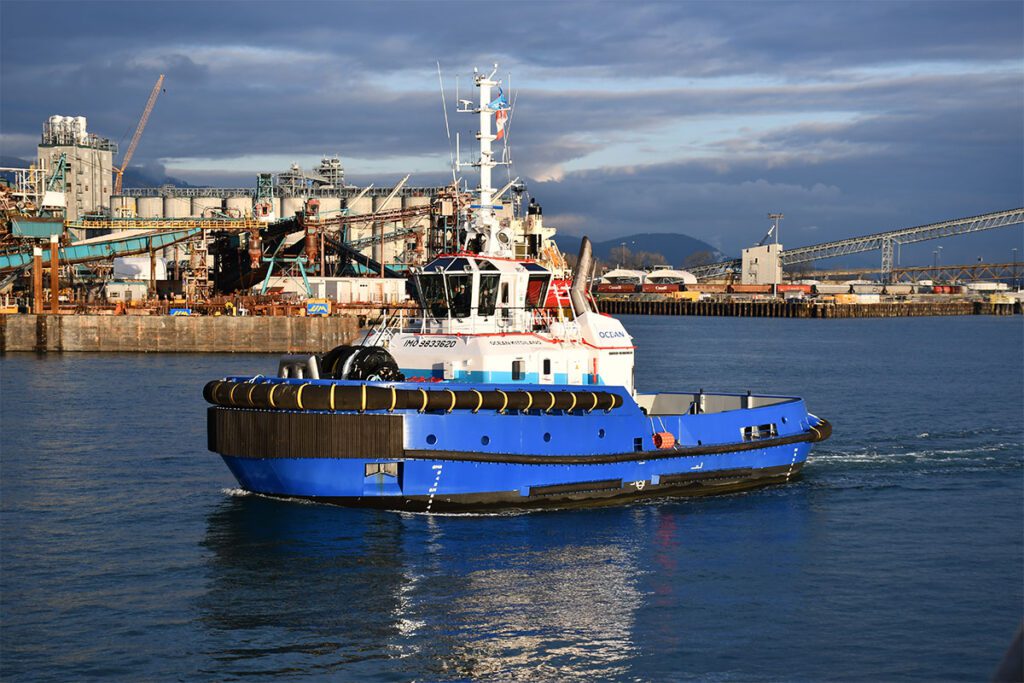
[(467, 460), (439, 485)]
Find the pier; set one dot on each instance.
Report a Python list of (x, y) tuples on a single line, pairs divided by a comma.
[(173, 334), (782, 309)]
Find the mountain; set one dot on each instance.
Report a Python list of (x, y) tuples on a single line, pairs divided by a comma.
[(14, 162), (675, 247), (151, 176)]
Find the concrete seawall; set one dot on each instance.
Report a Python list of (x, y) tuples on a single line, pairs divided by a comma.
[(199, 334)]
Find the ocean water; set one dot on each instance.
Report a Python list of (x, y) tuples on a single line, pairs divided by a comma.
[(126, 553)]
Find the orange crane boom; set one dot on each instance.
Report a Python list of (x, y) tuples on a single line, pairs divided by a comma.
[(138, 134)]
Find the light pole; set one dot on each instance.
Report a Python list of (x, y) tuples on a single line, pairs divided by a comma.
[(1015, 268)]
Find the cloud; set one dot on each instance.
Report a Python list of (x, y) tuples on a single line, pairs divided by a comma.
[(698, 117)]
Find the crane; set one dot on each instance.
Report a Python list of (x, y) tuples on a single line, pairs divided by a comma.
[(138, 134)]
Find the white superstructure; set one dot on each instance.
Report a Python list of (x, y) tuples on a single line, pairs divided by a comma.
[(490, 318)]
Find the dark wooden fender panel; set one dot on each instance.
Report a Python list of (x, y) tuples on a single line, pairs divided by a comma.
[(278, 434)]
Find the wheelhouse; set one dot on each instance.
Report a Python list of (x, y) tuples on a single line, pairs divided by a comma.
[(475, 293)]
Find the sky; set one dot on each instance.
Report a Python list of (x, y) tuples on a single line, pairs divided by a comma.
[(698, 118)]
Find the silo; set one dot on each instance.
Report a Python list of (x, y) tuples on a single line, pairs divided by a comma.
[(421, 223), (362, 205), (291, 205), (123, 207), (177, 207), (206, 206), (359, 207), (329, 207), (384, 252), (240, 206), (150, 207)]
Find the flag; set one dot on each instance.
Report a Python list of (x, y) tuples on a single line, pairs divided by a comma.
[(500, 107), (499, 102), (500, 117)]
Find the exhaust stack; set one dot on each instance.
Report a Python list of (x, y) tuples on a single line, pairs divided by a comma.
[(578, 291)]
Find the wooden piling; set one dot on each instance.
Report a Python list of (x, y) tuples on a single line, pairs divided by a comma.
[(54, 275), (802, 309), (37, 280)]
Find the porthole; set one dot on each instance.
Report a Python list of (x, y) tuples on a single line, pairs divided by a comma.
[(485, 440), (784, 420), (600, 433), (431, 439), (699, 442), (547, 436)]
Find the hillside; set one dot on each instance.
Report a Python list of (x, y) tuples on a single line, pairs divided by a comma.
[(135, 176), (675, 247)]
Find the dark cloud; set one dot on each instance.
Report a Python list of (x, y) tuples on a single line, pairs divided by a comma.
[(885, 114)]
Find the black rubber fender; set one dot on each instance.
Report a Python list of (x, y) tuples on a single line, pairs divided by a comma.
[(273, 395)]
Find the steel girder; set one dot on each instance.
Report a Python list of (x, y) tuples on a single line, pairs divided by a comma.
[(883, 240)]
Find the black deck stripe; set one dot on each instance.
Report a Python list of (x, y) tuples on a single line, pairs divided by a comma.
[(576, 487)]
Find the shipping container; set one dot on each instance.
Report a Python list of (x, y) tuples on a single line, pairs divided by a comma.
[(661, 288), (709, 287), (806, 289), (831, 289), (606, 288), (750, 289), (868, 288)]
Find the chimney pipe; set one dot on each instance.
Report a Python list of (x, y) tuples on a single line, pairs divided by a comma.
[(578, 292)]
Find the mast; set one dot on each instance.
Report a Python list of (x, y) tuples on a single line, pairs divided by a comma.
[(485, 227)]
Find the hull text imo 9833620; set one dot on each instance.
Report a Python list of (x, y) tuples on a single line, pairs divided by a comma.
[(507, 392)]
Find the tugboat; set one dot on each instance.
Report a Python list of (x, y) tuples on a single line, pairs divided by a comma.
[(495, 399)]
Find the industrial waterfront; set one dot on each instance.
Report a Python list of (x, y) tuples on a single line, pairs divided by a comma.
[(74, 240)]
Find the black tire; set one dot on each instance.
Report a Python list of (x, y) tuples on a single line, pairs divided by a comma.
[(372, 363)]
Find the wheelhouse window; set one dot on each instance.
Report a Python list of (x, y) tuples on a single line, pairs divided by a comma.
[(438, 264), (432, 291), (536, 291), (460, 293), (488, 294)]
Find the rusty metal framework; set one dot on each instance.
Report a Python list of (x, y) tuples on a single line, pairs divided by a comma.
[(166, 224), (972, 272)]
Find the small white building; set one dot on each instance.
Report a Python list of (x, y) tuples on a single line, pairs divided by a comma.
[(137, 268), (762, 265), (125, 290), (344, 290)]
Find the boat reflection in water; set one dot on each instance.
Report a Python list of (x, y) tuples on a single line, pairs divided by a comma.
[(312, 588)]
